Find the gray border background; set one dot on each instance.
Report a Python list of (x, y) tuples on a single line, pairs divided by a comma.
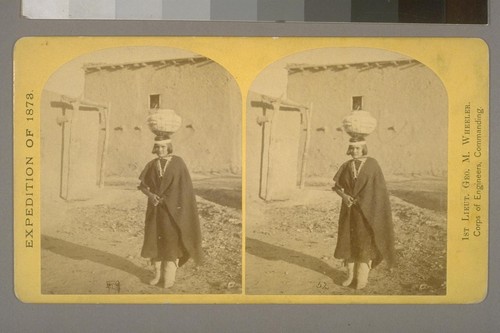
[(18, 317)]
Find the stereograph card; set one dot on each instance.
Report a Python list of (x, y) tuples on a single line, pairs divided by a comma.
[(250, 170)]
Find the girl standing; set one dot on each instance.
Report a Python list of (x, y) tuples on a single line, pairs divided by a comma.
[(365, 235), (172, 229)]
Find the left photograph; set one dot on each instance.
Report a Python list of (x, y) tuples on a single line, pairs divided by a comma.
[(141, 175)]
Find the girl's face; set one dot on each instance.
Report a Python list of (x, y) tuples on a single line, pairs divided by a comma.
[(356, 151), (162, 150)]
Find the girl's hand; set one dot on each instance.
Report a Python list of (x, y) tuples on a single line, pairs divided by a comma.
[(155, 199), (348, 200)]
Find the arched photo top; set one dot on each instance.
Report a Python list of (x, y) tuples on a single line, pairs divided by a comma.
[(318, 88), (119, 88), (121, 130), (345, 142)]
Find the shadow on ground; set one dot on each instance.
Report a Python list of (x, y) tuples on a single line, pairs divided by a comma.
[(224, 191), (429, 200), (429, 193), (80, 252), (272, 252)]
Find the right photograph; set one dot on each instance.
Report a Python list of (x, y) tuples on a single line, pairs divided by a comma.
[(346, 176)]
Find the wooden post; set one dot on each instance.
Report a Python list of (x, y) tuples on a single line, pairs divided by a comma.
[(267, 153), (76, 108), (308, 114), (107, 113), (65, 144)]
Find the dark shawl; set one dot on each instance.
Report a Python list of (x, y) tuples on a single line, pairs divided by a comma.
[(178, 199), (372, 197)]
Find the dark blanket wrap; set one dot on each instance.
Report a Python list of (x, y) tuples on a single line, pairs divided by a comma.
[(177, 203), (370, 192)]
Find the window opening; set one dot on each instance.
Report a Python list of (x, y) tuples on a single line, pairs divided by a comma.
[(154, 101), (357, 103)]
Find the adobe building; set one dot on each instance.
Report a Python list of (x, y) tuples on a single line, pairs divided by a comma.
[(104, 134), (406, 98)]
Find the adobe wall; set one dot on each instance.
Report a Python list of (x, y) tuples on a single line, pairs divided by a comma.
[(204, 95), (410, 105)]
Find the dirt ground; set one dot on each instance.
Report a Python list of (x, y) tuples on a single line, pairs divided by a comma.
[(290, 244), (89, 246)]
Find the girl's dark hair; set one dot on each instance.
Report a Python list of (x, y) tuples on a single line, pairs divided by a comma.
[(364, 150), (170, 149)]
